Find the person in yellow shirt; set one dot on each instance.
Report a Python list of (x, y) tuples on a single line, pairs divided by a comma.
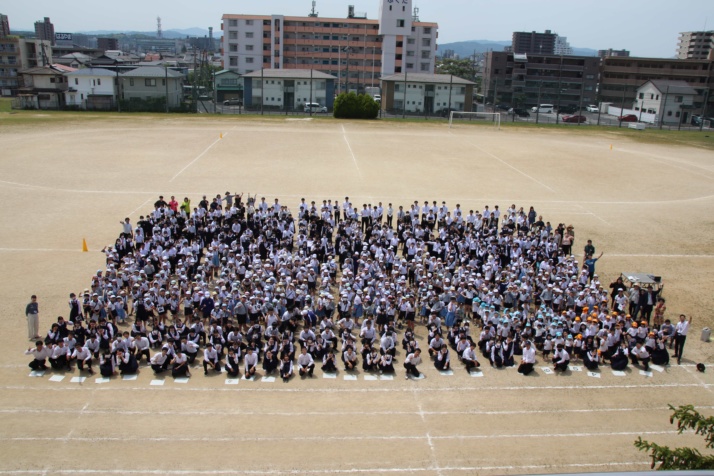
[(186, 206)]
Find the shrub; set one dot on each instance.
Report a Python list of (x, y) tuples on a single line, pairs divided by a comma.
[(353, 106)]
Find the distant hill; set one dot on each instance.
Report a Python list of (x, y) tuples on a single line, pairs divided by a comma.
[(467, 48), (177, 33)]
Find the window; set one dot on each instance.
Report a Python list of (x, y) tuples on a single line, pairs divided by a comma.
[(462, 90), (99, 81), (131, 81), (410, 65), (150, 82), (427, 30), (249, 34), (233, 61), (249, 60), (677, 114), (425, 66), (249, 47), (657, 97), (426, 42), (249, 22), (232, 35), (678, 99), (76, 81), (411, 41), (233, 48), (642, 95), (232, 22), (669, 113), (400, 23), (425, 54), (410, 53), (651, 96)]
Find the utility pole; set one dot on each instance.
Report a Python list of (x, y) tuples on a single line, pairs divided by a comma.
[(347, 81), (310, 92), (404, 108), (262, 91), (560, 78), (451, 86), (166, 82), (704, 110), (664, 106), (622, 106), (540, 84)]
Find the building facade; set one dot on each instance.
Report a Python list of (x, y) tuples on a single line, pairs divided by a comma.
[(534, 43), (92, 89), (288, 90), (43, 88), (522, 80), (17, 54), (426, 93), (153, 82), (4, 26), (354, 50), (611, 52), (621, 76), (672, 102), (105, 44), (696, 45), (45, 30)]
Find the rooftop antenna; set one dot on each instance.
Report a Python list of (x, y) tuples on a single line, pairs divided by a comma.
[(313, 13), (158, 28), (416, 14)]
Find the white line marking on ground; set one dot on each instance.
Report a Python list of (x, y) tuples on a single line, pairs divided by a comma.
[(354, 159), (432, 449), (416, 469), (696, 377), (197, 158), (160, 439), (139, 207), (620, 255), (593, 214), (512, 167), (325, 413), (54, 250)]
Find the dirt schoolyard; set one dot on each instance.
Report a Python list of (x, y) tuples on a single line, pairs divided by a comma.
[(648, 207)]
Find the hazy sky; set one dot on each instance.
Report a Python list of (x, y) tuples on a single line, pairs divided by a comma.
[(645, 27)]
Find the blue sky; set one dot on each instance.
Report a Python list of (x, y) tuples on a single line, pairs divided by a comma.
[(645, 27)]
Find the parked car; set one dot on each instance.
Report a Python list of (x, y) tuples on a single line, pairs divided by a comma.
[(503, 107), (592, 108), (576, 119), (627, 118), (446, 111), (543, 108), (233, 102), (697, 120), (568, 109), (314, 107), (378, 98), (519, 112)]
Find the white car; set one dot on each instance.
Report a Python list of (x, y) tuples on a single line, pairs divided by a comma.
[(592, 108), (378, 98), (314, 107)]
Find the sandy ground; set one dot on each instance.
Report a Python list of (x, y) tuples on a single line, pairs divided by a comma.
[(647, 207)]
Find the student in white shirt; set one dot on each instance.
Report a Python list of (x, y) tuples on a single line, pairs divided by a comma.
[(528, 359), (251, 363), (561, 359), (210, 359), (160, 361), (411, 362), (680, 336), (180, 366), (468, 357), (306, 364), (83, 357), (640, 353), (286, 368), (40, 355)]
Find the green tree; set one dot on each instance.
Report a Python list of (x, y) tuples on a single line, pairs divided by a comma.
[(463, 68), (353, 106), (667, 459)]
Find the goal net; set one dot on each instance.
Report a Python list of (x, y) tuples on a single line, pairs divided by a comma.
[(456, 117)]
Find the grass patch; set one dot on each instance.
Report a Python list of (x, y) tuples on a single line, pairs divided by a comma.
[(5, 104)]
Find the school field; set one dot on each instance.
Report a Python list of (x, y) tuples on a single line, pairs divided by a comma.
[(64, 177)]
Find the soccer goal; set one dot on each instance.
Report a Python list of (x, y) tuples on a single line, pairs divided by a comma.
[(485, 117)]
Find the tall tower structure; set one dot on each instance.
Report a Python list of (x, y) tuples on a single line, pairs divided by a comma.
[(395, 24), (45, 30), (4, 26), (159, 33)]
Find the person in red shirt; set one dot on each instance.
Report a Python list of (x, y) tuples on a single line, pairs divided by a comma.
[(173, 204)]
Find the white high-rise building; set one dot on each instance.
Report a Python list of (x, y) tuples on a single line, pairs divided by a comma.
[(562, 47)]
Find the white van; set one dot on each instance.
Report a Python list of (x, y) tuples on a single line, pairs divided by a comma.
[(543, 108), (315, 107)]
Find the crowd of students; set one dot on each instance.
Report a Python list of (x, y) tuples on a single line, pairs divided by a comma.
[(246, 286)]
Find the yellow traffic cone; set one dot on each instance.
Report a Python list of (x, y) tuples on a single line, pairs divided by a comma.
[(221, 135), (84, 245)]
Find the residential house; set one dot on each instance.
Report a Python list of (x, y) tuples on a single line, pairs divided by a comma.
[(229, 85), (43, 88), (92, 89), (153, 82), (670, 101), (288, 89), (426, 93)]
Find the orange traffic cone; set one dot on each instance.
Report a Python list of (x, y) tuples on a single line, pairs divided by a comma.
[(84, 245)]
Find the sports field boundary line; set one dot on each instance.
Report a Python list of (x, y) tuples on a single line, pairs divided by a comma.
[(349, 147), (417, 469), (205, 151)]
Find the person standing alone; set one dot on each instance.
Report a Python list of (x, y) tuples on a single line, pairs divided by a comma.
[(32, 312)]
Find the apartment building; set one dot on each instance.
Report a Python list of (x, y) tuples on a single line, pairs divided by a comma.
[(525, 80), (534, 43), (356, 50), (621, 76), (17, 54), (696, 45), (611, 52), (4, 26), (45, 30)]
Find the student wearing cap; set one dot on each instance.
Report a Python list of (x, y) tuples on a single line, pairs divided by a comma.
[(528, 359)]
